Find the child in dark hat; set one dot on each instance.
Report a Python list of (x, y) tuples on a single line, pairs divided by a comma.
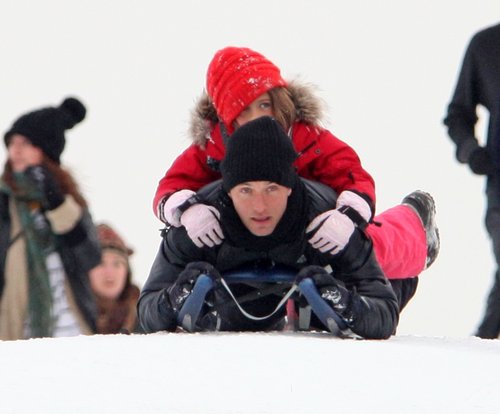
[(48, 242), (112, 284)]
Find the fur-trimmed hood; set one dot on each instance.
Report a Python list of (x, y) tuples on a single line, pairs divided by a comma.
[(310, 109)]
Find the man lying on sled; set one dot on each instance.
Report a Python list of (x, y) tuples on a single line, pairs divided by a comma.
[(265, 211)]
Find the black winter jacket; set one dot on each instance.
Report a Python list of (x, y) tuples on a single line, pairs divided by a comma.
[(356, 267), (478, 84)]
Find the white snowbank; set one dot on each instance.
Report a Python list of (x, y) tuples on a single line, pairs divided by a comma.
[(249, 373)]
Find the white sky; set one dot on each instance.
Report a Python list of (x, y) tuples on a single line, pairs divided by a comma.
[(386, 69), (249, 374)]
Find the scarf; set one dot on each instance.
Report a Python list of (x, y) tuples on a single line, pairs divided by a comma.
[(290, 228), (40, 242)]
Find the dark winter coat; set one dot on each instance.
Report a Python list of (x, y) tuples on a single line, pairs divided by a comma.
[(78, 248), (322, 156), (478, 84), (356, 266)]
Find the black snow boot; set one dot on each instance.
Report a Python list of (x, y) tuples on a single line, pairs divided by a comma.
[(424, 205)]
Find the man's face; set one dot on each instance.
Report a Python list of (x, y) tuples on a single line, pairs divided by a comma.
[(260, 205)]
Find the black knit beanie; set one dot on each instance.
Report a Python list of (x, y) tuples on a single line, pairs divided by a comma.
[(45, 127), (259, 151)]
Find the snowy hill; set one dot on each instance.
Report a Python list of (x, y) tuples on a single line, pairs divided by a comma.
[(249, 373)]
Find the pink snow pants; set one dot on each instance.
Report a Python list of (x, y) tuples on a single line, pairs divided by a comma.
[(399, 242)]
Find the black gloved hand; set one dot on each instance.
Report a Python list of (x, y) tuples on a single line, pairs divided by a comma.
[(318, 274), (183, 286), (336, 295), (480, 162), (47, 185)]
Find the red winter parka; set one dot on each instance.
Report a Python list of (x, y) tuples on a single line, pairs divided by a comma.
[(322, 156)]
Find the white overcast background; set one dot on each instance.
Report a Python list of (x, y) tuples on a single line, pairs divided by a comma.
[(386, 70)]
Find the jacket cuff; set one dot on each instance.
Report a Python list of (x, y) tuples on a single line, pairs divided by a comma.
[(355, 253)]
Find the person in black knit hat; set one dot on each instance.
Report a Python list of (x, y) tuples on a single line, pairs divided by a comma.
[(46, 127), (265, 208), (266, 156), (48, 242)]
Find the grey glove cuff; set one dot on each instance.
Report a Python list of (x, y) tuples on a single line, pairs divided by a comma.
[(465, 149)]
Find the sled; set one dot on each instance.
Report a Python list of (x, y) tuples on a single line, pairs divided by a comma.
[(278, 279)]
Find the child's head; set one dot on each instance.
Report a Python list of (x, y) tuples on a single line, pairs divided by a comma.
[(237, 76), (113, 275)]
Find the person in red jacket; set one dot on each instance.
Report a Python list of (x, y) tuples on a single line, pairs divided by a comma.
[(243, 85)]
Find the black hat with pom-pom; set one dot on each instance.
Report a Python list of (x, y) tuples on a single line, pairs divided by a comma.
[(45, 127)]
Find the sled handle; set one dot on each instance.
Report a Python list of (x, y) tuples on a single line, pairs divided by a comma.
[(190, 311), (325, 313), (274, 275)]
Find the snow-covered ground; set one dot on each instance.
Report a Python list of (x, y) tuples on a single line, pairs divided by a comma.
[(243, 373)]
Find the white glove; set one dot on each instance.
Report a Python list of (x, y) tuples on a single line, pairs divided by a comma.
[(358, 203), (168, 208), (202, 225), (333, 231)]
